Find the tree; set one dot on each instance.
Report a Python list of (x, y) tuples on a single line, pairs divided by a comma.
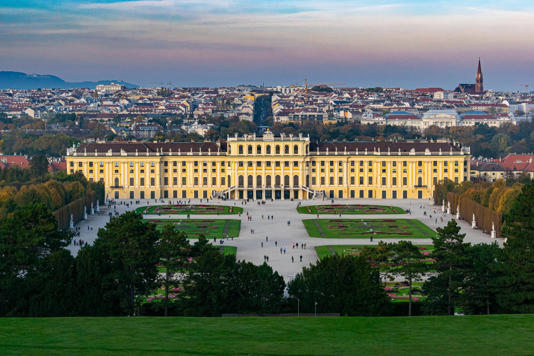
[(443, 289), (218, 284), (39, 165), (27, 237), (174, 250), (517, 280), (406, 262), (340, 284), (130, 245), (479, 293), (51, 289)]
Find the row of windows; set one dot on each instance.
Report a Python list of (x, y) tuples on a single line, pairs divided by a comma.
[(174, 181), (383, 163), (152, 164), (268, 163), (277, 149), (175, 194)]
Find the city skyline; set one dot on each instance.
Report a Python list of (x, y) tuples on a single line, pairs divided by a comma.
[(406, 43)]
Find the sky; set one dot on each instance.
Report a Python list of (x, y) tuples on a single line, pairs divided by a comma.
[(391, 43)]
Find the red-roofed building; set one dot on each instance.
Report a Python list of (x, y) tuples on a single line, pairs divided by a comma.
[(15, 161)]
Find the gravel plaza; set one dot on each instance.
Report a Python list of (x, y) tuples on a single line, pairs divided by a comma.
[(262, 236)]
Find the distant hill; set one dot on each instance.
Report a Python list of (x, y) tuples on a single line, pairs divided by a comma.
[(19, 80)]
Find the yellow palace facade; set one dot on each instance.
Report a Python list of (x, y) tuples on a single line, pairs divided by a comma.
[(269, 167)]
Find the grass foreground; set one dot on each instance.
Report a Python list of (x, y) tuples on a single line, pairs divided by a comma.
[(438, 335)]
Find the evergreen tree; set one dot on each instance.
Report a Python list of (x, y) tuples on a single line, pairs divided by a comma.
[(517, 281), (443, 290), (39, 165), (174, 251), (340, 284), (27, 237), (479, 293), (130, 247), (406, 262)]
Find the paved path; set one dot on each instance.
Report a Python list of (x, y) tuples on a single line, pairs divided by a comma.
[(282, 235)]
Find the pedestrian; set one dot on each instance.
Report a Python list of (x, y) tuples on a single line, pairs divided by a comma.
[(276, 243), (262, 245), (280, 250), (266, 238), (292, 259), (284, 250), (300, 258)]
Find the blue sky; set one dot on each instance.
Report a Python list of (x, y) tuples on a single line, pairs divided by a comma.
[(403, 43)]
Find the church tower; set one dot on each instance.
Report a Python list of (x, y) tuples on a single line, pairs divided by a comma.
[(479, 84)]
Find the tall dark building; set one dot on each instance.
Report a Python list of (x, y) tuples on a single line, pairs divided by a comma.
[(479, 81), (477, 88)]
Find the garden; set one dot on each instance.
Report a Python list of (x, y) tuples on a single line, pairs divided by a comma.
[(189, 209), (210, 228), (399, 291), (355, 250), (352, 209), (367, 228)]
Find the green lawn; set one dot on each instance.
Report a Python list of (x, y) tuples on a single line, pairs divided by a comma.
[(210, 228), (352, 209), (441, 335), (229, 250), (365, 228), (329, 250), (193, 209)]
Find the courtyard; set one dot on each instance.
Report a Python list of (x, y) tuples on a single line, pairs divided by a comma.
[(282, 225)]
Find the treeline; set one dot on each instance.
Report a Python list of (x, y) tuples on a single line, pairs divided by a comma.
[(492, 142), (22, 187), (498, 196), (118, 274), (18, 142), (485, 278), (351, 131)]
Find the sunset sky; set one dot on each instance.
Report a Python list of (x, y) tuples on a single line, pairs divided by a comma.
[(403, 43)]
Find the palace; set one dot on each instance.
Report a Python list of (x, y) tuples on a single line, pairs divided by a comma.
[(270, 167)]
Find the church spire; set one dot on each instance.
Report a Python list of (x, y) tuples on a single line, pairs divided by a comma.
[(479, 83)]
